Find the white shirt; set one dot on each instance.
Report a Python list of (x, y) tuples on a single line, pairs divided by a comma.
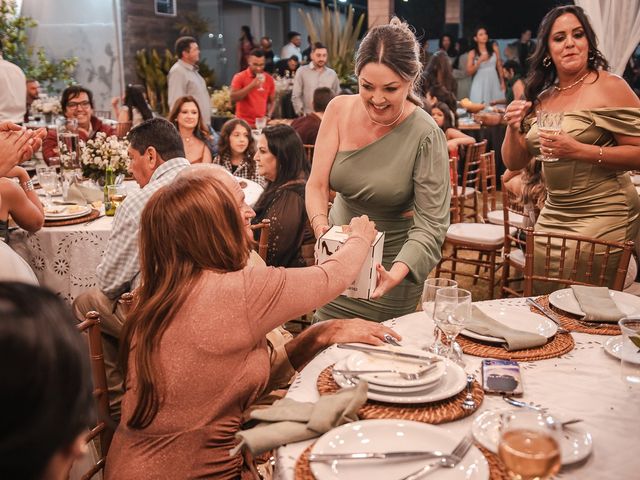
[(307, 79), (184, 79), (13, 92), (290, 50)]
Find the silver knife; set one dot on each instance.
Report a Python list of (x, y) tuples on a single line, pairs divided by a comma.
[(547, 313), (330, 457), (390, 353)]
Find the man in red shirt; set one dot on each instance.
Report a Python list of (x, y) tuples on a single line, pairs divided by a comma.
[(253, 90)]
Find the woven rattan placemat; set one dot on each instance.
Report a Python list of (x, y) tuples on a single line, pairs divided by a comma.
[(73, 221), (570, 322), (559, 345), (496, 470), (435, 412)]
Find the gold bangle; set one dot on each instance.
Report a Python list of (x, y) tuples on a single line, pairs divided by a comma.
[(600, 155)]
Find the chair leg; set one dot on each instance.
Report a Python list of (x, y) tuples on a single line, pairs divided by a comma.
[(477, 275), (492, 274), (505, 277), (439, 267), (454, 256)]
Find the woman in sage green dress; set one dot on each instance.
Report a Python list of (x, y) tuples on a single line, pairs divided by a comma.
[(588, 190), (386, 158)]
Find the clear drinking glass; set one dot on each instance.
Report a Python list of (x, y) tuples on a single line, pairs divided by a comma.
[(261, 122), (69, 144), (116, 195), (452, 309), (261, 78), (431, 286), (529, 445), (630, 352), (49, 182), (549, 122)]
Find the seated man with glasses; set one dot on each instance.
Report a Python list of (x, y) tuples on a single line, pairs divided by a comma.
[(77, 104)]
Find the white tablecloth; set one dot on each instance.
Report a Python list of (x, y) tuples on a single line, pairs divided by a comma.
[(584, 383), (64, 258)]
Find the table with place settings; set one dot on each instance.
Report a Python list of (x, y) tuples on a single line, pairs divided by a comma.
[(583, 383)]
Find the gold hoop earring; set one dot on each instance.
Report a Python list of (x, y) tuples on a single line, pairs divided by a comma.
[(546, 61)]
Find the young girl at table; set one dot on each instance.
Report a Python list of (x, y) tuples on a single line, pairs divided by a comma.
[(455, 138), (20, 201), (196, 356), (236, 148)]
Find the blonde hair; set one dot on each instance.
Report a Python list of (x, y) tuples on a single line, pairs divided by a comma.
[(395, 46)]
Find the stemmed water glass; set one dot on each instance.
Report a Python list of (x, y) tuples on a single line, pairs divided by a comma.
[(49, 182), (431, 286), (452, 309), (529, 445)]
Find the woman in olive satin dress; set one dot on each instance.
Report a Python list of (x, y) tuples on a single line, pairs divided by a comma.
[(589, 190)]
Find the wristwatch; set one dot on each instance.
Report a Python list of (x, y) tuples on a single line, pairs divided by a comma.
[(27, 186)]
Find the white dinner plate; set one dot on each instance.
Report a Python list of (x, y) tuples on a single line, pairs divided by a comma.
[(389, 436), (66, 212), (613, 346), (344, 383), (575, 445), (451, 383), (367, 361), (515, 317), (565, 300)]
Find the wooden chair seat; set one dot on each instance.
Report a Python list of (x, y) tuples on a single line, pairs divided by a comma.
[(483, 235), (496, 217)]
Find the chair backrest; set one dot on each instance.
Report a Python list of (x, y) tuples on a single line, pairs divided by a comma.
[(104, 425), (454, 209), (263, 244), (125, 301), (489, 184), (122, 128), (581, 260), (472, 178), (513, 215), (308, 151), (106, 114)]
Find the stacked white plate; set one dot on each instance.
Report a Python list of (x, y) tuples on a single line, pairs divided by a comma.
[(565, 300), (66, 212), (444, 381)]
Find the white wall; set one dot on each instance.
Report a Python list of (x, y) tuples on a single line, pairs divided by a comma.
[(81, 28)]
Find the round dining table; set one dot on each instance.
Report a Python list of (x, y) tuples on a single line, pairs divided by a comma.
[(584, 383)]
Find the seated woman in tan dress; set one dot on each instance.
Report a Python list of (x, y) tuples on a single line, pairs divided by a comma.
[(195, 353), (185, 115), (281, 160)]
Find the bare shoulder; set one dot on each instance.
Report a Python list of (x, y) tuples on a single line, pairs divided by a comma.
[(342, 103), (616, 92)]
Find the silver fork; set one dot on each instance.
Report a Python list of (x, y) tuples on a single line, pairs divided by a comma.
[(454, 459)]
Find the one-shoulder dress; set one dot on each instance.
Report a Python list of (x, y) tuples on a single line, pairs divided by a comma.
[(585, 198), (401, 181)]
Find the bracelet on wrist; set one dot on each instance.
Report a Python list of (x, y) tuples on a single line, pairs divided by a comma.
[(316, 216), (600, 157), (27, 186)]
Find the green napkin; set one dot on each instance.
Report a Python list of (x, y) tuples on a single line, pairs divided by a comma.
[(597, 304), (288, 421), (81, 194), (483, 324)]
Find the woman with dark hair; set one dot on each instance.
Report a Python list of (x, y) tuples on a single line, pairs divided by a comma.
[(386, 157), (245, 45), (445, 44), (236, 148), (47, 402), (588, 190), (135, 108), (194, 350), (436, 94), (185, 115), (455, 138), (282, 162), (439, 72), (485, 65)]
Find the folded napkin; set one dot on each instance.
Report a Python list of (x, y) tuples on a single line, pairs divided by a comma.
[(82, 194), (596, 304), (288, 421), (483, 324)]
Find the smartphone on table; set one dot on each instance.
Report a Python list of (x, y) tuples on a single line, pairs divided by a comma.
[(501, 376)]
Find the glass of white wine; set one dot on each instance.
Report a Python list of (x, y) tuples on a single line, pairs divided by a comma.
[(49, 182), (431, 286), (529, 445), (452, 309), (549, 122)]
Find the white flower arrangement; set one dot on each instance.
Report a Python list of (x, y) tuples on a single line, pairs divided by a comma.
[(221, 102), (46, 105), (102, 152)]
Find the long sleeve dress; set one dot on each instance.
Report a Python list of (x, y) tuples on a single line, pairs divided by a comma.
[(584, 198), (401, 181), (213, 364)]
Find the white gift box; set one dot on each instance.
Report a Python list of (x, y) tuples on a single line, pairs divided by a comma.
[(365, 283)]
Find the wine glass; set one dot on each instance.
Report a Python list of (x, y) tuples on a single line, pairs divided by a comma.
[(260, 77), (49, 182), (529, 445), (431, 286), (452, 309), (261, 122), (549, 122)]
